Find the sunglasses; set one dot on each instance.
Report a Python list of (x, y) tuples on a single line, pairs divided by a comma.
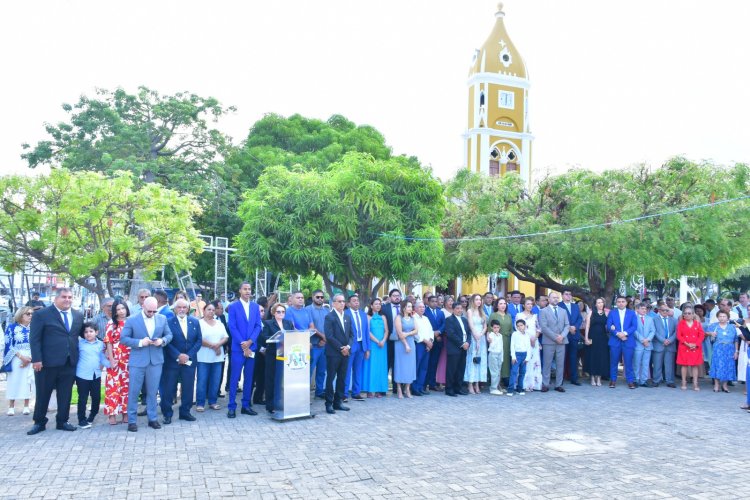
[(319, 297), (280, 311)]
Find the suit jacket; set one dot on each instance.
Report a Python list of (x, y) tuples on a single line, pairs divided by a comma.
[(660, 334), (454, 335), (437, 319), (390, 314), (181, 345), (51, 343), (365, 327), (513, 310), (242, 328), (271, 328), (644, 331), (135, 330), (336, 336), (614, 327), (552, 326), (574, 316)]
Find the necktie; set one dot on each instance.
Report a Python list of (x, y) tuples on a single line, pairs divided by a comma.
[(398, 309), (666, 329), (643, 320), (554, 308), (359, 325), (65, 320)]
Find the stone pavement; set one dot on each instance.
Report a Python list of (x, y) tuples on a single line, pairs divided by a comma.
[(587, 443)]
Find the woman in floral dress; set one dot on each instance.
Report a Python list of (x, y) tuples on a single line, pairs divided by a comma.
[(117, 383)]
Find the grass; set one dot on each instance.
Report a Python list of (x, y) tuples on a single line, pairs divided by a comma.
[(74, 399)]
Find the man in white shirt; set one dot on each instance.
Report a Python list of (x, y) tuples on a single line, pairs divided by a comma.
[(424, 341), (726, 306), (676, 310)]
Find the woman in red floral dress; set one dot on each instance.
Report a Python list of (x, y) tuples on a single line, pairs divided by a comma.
[(117, 382), (690, 349)]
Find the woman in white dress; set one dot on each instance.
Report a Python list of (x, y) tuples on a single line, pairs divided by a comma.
[(476, 356), (533, 379), (17, 353)]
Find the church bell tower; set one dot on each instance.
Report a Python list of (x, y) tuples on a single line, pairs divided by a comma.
[(497, 138)]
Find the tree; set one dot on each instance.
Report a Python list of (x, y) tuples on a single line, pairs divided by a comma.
[(590, 261), (349, 221), (86, 225)]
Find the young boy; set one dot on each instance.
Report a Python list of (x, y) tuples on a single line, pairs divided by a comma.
[(91, 359), (520, 349), (495, 359)]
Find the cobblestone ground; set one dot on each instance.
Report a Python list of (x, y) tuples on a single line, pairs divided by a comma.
[(587, 443)]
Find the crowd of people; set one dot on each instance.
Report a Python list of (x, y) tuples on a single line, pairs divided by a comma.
[(186, 351)]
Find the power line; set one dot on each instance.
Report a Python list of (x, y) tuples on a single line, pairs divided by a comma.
[(571, 229)]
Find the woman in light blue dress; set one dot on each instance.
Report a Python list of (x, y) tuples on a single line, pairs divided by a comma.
[(375, 375), (405, 359), (476, 356), (725, 342)]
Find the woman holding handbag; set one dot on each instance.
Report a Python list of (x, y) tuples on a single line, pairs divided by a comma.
[(476, 361)]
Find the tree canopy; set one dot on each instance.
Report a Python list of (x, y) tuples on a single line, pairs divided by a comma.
[(703, 242), (344, 221), (87, 225)]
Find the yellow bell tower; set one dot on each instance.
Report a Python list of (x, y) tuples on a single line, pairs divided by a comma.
[(497, 138)]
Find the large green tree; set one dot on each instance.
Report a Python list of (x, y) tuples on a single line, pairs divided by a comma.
[(87, 225), (348, 222), (704, 242)]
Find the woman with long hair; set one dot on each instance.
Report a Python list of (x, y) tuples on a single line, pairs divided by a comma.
[(117, 381), (476, 356)]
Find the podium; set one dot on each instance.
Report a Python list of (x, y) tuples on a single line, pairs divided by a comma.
[(292, 374)]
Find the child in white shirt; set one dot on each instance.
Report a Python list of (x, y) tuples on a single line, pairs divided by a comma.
[(520, 349), (495, 358)]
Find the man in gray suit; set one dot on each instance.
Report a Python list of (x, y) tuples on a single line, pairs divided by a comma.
[(644, 338), (665, 347), (553, 321), (146, 334)]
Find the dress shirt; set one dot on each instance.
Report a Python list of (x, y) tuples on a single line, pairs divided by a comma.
[(496, 344), (246, 307), (519, 342), (621, 312), (732, 315), (150, 325), (183, 325), (461, 323), (665, 324), (341, 319), (90, 359), (357, 324), (424, 327), (66, 321)]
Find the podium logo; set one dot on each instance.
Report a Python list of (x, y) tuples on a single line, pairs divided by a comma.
[(297, 360)]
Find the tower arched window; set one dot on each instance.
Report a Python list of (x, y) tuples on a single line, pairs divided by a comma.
[(481, 98)]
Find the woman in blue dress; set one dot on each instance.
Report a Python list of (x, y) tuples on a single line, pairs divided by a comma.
[(725, 347), (476, 356), (17, 353), (405, 359), (375, 377)]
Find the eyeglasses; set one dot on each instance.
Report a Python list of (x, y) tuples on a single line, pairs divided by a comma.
[(27, 313), (280, 311), (149, 311)]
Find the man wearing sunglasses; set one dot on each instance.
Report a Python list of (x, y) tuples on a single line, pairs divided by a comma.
[(318, 311)]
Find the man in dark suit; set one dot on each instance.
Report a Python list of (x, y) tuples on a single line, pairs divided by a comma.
[(457, 342), (390, 311), (146, 333), (55, 331), (437, 321), (180, 362), (574, 334), (339, 338)]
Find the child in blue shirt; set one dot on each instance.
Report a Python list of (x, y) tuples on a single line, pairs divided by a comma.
[(91, 360)]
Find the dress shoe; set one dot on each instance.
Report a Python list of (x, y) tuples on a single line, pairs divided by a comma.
[(631, 385), (672, 386), (132, 427), (417, 393), (358, 397), (36, 429), (341, 407), (167, 420), (142, 413), (330, 410), (154, 424), (248, 411), (611, 385), (320, 396), (451, 394), (188, 417), (65, 427), (345, 399), (463, 392), (650, 383), (545, 388), (560, 389), (576, 383), (231, 414), (644, 385)]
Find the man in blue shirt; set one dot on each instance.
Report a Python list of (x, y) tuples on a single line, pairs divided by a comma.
[(318, 312)]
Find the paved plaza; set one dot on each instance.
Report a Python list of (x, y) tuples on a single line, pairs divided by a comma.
[(587, 443)]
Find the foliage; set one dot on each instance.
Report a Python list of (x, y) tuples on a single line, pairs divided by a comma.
[(701, 242), (87, 225), (343, 221)]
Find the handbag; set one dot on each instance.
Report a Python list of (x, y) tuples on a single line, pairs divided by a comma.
[(476, 360)]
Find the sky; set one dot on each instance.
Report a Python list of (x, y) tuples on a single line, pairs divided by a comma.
[(612, 83)]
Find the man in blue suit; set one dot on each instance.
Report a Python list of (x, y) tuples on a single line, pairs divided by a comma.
[(574, 334), (360, 349), (515, 306), (180, 362), (621, 327), (644, 337), (244, 328), (665, 347), (437, 321), (147, 335)]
